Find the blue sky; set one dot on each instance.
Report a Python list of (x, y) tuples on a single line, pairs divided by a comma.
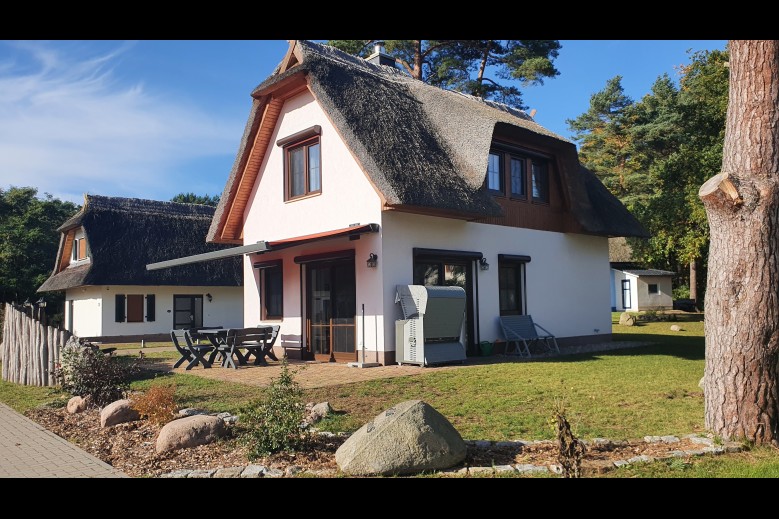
[(151, 119)]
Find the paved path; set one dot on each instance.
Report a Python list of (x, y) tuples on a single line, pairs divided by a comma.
[(27, 450)]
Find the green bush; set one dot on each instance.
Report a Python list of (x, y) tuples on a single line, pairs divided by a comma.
[(274, 422), (86, 371), (681, 292)]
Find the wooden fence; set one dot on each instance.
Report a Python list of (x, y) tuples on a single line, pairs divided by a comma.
[(30, 349)]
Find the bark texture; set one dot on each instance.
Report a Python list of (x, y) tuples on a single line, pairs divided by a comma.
[(742, 297)]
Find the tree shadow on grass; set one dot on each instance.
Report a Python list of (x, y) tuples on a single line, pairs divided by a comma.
[(687, 348)]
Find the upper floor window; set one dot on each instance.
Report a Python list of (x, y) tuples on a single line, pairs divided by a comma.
[(540, 182), (507, 175), (79, 250), (302, 163)]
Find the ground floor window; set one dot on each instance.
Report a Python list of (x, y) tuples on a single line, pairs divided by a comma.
[(625, 294), (511, 286), (653, 288), (271, 290)]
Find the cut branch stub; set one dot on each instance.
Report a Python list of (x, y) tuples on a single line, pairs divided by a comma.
[(720, 183)]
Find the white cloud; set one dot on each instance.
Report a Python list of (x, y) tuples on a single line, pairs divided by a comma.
[(67, 126)]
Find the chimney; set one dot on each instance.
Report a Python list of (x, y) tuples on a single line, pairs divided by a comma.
[(379, 56)]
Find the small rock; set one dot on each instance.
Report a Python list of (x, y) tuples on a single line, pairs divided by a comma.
[(733, 447), (527, 467), (669, 439), (78, 404), (555, 469), (625, 319), (652, 439), (254, 471), (678, 454), (326, 434), (274, 473), (620, 463), (695, 452), (714, 449), (702, 440), (640, 459), (191, 411), (602, 442), (229, 472), (318, 412), (676, 328), (508, 445), (201, 473), (503, 468), (176, 474), (293, 470), (118, 412), (480, 470)]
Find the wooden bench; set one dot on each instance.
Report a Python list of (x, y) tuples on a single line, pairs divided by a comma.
[(257, 341)]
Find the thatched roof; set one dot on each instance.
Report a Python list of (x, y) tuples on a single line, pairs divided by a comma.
[(125, 234), (422, 146)]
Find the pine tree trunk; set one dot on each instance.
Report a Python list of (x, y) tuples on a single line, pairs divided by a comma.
[(416, 73), (742, 295), (693, 281)]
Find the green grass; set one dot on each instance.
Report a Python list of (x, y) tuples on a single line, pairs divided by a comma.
[(194, 391), (22, 398), (618, 394), (761, 462)]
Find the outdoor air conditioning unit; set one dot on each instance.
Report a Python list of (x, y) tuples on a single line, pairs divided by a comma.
[(433, 330)]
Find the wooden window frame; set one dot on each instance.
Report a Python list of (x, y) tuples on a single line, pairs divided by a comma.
[(508, 153), (305, 143), (501, 174), (265, 267), (520, 281)]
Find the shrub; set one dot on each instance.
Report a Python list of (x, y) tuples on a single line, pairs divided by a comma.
[(681, 292), (570, 449), (158, 404), (274, 422), (86, 371)]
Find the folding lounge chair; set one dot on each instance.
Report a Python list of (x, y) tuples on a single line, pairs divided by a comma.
[(522, 332)]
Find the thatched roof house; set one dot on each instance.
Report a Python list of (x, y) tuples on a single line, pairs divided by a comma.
[(421, 147), (124, 234)]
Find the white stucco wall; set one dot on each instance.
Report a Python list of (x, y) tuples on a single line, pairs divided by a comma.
[(87, 316), (94, 309), (616, 286), (347, 197), (662, 300), (567, 277)]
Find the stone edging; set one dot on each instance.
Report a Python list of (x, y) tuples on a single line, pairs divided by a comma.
[(708, 446)]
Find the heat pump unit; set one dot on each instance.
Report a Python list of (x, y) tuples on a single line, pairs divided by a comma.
[(433, 331)]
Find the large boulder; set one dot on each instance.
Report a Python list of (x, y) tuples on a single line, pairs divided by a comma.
[(408, 438), (78, 404), (625, 319), (118, 412), (190, 432)]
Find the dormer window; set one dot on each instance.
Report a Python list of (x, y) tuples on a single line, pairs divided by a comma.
[(302, 164), (79, 251), (507, 175)]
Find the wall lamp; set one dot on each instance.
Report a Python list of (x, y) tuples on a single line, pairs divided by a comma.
[(372, 259), (210, 297), (483, 264)]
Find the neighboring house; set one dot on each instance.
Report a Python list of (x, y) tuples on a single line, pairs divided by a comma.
[(109, 294), (638, 290), (633, 287), (352, 178)]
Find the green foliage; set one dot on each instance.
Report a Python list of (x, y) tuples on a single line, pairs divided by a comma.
[(86, 371), (274, 422), (192, 198), (28, 242), (157, 404), (654, 155), (483, 68), (681, 292)]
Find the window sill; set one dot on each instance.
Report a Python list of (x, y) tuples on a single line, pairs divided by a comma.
[(302, 197)]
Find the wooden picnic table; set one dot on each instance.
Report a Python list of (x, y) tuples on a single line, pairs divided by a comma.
[(257, 341)]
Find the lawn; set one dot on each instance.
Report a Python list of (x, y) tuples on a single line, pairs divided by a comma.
[(621, 394)]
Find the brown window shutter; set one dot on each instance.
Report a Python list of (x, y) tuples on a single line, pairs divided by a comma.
[(82, 248), (135, 308)]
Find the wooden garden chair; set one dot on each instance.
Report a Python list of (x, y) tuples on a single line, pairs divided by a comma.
[(194, 353)]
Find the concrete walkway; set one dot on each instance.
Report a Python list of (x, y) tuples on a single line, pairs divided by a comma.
[(27, 450)]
